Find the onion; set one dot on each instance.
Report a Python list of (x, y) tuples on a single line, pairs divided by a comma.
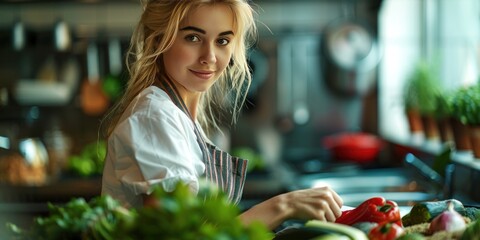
[(449, 220)]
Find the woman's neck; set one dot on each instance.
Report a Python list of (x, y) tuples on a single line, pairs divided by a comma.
[(190, 99)]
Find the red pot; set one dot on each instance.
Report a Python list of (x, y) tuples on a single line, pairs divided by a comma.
[(356, 147)]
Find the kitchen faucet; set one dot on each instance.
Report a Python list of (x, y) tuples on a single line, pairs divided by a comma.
[(444, 183)]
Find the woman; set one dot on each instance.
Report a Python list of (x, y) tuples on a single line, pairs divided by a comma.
[(187, 58)]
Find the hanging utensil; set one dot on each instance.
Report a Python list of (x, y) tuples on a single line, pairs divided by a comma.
[(292, 91), (62, 37), (19, 35), (115, 56), (112, 84), (19, 44), (301, 113), (284, 97), (34, 151), (351, 53), (93, 99)]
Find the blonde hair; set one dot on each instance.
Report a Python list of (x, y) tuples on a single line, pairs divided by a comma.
[(156, 32)]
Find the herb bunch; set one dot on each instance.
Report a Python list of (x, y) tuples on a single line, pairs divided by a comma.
[(173, 215)]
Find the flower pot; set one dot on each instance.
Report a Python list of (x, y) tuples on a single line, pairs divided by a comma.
[(461, 135), (475, 140), (414, 121), (430, 127), (445, 129)]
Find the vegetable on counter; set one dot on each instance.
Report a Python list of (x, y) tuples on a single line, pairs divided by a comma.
[(376, 209), (449, 220), (472, 213), (179, 214), (182, 215), (331, 236), (386, 231), (411, 236), (311, 233), (351, 232), (77, 219), (426, 211), (365, 226), (472, 232)]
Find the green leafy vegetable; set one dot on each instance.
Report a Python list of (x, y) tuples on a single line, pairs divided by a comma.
[(77, 219), (90, 161), (174, 215), (181, 215)]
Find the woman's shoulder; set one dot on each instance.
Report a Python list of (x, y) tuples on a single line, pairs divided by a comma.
[(154, 93), (154, 103)]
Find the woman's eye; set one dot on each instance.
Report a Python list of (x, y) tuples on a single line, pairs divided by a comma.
[(223, 41), (192, 38)]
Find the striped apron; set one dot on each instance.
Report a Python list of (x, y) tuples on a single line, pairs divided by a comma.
[(226, 171)]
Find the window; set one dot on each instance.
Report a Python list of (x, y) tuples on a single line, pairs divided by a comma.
[(444, 32)]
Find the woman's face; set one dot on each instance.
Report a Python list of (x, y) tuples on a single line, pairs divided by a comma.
[(201, 50)]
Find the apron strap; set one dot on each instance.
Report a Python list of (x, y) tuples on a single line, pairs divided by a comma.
[(227, 172), (175, 96)]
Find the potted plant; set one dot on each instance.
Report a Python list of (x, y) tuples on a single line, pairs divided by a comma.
[(443, 115), (420, 100), (459, 129), (465, 110)]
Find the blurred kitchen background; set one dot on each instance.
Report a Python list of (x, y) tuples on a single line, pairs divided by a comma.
[(323, 70)]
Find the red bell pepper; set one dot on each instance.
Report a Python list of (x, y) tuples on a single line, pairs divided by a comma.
[(375, 209), (386, 231)]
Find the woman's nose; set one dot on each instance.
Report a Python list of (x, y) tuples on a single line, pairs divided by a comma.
[(208, 54)]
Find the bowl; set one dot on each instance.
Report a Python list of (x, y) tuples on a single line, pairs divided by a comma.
[(356, 147)]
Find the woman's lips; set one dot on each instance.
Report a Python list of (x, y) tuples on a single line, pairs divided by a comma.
[(203, 74)]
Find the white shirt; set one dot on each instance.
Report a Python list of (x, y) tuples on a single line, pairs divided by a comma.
[(153, 144)]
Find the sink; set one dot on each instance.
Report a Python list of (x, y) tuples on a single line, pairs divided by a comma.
[(401, 198), (352, 184), (358, 181), (396, 184)]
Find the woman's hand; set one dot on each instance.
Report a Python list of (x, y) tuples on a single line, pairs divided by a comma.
[(316, 203)]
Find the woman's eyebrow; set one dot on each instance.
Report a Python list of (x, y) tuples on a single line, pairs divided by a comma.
[(191, 28)]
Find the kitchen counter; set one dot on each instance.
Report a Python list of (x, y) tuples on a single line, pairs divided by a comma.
[(21, 204), (58, 191)]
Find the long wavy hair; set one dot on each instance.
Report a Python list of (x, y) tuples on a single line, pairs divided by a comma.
[(155, 34)]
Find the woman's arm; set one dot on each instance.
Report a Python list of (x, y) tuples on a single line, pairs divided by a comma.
[(316, 203)]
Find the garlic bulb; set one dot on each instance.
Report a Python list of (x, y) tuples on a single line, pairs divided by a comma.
[(450, 221)]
